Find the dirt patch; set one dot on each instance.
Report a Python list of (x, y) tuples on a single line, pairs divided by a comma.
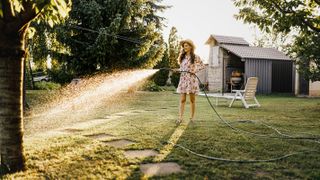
[(160, 169), (140, 153)]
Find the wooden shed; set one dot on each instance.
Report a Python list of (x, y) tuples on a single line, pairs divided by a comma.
[(232, 60)]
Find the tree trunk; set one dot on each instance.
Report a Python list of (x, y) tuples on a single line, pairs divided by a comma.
[(11, 109)]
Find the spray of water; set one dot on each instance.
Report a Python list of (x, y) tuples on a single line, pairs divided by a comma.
[(83, 96)]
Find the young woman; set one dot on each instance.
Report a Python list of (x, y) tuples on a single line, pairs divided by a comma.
[(188, 81)]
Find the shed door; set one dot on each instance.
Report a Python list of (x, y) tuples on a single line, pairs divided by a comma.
[(282, 76)]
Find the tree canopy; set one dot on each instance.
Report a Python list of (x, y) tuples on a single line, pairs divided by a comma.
[(112, 34), (49, 11), (300, 16)]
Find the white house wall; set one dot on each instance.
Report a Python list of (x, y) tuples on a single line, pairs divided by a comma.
[(214, 70)]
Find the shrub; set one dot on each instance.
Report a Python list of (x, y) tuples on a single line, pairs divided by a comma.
[(160, 78), (47, 86), (60, 76), (151, 86), (175, 78)]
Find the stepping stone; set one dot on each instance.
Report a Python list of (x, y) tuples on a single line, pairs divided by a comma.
[(160, 169), (140, 153), (71, 130), (99, 136), (119, 143)]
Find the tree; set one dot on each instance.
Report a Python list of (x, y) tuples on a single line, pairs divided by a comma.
[(15, 17), (279, 41), (113, 34), (301, 16), (174, 48)]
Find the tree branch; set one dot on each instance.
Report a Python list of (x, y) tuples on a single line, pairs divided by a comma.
[(7, 8), (310, 25), (303, 19), (29, 12), (278, 7)]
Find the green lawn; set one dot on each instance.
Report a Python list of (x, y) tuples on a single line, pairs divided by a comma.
[(73, 155)]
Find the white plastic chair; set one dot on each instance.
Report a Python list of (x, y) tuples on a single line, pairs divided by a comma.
[(249, 93)]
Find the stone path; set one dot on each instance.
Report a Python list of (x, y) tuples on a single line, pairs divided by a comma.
[(160, 169), (150, 169)]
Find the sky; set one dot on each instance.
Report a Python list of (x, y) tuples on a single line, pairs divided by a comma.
[(196, 20)]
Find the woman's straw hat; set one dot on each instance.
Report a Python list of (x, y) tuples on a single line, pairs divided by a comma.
[(189, 41)]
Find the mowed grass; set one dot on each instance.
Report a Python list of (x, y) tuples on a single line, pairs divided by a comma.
[(74, 156)]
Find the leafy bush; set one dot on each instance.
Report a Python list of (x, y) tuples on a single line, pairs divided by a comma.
[(175, 78), (47, 86), (60, 76), (160, 78), (151, 86)]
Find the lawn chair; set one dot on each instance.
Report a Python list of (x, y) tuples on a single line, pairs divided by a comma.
[(248, 94)]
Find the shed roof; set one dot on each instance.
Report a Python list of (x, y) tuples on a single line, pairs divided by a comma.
[(228, 40), (247, 52)]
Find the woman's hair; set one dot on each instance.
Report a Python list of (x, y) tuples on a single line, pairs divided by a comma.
[(183, 54)]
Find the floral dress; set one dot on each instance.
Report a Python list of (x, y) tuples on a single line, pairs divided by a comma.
[(188, 82)]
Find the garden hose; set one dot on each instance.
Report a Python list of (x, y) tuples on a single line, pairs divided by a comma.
[(162, 143), (238, 130), (282, 135)]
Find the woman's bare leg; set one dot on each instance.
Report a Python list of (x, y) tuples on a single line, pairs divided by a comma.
[(182, 104), (193, 105)]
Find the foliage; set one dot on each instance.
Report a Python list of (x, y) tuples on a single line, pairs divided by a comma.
[(284, 17), (113, 34), (160, 77), (174, 47), (307, 49), (170, 57), (175, 78), (47, 86), (151, 86), (277, 40), (60, 75), (51, 12), (164, 63)]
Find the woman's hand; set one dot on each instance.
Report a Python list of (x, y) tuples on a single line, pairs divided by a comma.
[(181, 51)]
